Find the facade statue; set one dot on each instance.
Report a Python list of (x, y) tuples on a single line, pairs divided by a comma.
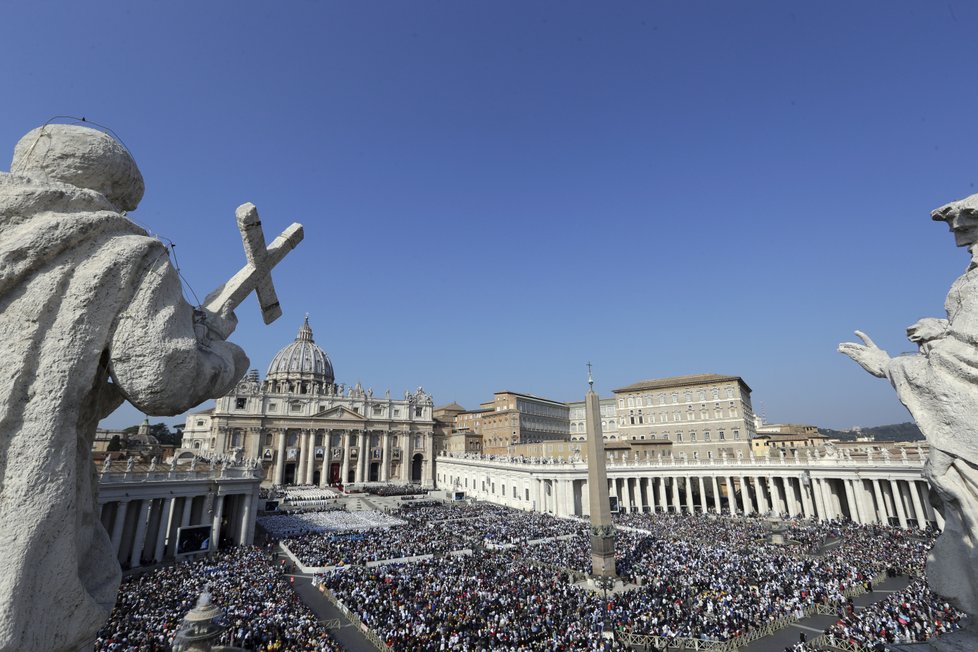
[(91, 314), (939, 386)]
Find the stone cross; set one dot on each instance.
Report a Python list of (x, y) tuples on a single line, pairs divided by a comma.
[(257, 273)]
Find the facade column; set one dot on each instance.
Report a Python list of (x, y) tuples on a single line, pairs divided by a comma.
[(216, 523), (731, 497), (917, 506), (898, 503), (139, 538), (345, 466), (117, 524), (716, 495), (311, 473), (163, 532), (280, 458), (385, 462), (300, 472), (362, 459), (324, 466)]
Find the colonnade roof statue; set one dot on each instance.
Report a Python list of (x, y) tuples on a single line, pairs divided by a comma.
[(91, 314), (939, 385)]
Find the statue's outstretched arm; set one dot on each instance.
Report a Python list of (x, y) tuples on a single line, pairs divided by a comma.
[(867, 355)]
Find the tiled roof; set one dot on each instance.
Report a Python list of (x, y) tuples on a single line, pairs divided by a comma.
[(677, 381)]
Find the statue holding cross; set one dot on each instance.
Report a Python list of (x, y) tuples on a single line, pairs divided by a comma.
[(91, 314)]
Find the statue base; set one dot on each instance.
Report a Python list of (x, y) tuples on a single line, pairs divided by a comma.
[(602, 585)]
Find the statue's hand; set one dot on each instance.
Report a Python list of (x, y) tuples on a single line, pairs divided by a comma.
[(868, 356), (927, 329)]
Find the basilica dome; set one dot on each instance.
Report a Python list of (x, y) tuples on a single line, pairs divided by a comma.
[(301, 366)]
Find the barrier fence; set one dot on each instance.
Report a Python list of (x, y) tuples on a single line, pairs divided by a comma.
[(354, 619)]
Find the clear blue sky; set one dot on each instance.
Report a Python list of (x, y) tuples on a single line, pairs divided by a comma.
[(495, 193)]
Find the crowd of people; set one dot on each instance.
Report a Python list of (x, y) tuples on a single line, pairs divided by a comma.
[(910, 616), (395, 490), (515, 581), (295, 524), (696, 576), (262, 612), (425, 530)]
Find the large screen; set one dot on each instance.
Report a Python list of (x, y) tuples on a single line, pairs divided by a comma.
[(193, 538)]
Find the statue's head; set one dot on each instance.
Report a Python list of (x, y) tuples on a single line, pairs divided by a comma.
[(82, 157), (962, 218)]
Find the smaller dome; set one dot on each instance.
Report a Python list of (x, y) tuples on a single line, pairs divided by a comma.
[(301, 360)]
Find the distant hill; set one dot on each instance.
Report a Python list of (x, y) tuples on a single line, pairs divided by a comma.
[(895, 432)]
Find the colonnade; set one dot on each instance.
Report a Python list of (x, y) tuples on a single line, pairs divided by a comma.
[(866, 493), (144, 512)]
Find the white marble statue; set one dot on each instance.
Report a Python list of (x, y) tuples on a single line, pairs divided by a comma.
[(939, 386), (91, 314)]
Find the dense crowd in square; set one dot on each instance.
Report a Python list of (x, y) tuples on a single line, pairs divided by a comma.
[(262, 611)]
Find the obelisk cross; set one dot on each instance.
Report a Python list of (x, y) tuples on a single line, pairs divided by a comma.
[(256, 274)]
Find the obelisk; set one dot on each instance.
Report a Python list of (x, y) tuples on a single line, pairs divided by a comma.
[(602, 529)]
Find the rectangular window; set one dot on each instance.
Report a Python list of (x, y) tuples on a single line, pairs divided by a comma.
[(378, 410), (722, 436), (239, 403), (736, 434), (272, 407), (418, 411)]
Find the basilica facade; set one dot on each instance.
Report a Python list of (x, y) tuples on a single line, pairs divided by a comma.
[(306, 429)]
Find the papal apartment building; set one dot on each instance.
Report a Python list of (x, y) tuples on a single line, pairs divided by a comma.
[(512, 418), (703, 416)]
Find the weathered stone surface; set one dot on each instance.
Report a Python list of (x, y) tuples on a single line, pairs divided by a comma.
[(939, 386), (91, 314)]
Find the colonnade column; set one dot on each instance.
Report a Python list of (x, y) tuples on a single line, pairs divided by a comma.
[(639, 500), (625, 496), (675, 494), (898, 503), (163, 533), (850, 501), (745, 496), (243, 531), (716, 495), (663, 501), (139, 538), (731, 497), (280, 458), (216, 522), (120, 519), (761, 499), (821, 500), (689, 496), (883, 514), (917, 506), (703, 501), (806, 499)]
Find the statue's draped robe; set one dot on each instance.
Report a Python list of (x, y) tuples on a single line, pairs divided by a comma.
[(91, 313), (940, 388)]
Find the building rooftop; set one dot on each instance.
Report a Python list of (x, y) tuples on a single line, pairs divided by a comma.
[(676, 381)]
